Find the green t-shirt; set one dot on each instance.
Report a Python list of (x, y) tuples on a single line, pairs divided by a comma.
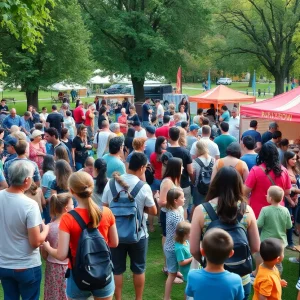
[(183, 252), (274, 221), (223, 141)]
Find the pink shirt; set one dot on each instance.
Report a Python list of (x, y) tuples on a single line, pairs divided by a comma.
[(123, 120), (259, 182)]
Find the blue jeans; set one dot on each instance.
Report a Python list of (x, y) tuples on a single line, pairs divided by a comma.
[(78, 166), (289, 232), (247, 290), (145, 124), (21, 283)]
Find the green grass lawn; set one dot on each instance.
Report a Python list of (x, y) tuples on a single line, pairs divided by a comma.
[(155, 279)]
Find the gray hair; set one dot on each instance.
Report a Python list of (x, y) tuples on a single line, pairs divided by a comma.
[(19, 170), (234, 110), (114, 126)]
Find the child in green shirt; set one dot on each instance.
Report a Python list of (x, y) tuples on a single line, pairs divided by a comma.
[(275, 219), (182, 248)]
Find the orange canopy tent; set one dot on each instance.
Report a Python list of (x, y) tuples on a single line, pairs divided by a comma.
[(221, 94)]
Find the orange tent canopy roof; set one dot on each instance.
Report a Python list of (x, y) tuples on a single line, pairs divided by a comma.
[(221, 94)]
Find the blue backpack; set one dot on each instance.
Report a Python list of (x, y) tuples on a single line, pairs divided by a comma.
[(93, 265), (241, 261), (125, 209)]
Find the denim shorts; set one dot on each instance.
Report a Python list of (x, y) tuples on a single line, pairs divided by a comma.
[(75, 293), (155, 186), (197, 197), (137, 253), (172, 264)]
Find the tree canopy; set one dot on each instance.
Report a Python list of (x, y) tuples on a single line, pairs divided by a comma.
[(137, 37)]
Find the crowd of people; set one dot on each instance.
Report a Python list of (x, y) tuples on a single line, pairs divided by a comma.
[(220, 197)]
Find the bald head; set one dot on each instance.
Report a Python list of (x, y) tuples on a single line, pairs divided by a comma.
[(13, 112)]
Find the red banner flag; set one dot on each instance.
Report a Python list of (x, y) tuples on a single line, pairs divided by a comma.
[(179, 81)]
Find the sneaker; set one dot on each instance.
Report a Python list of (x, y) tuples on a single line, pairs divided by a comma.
[(294, 260), (252, 278)]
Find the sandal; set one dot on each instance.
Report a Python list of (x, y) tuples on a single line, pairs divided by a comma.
[(177, 280), (165, 271), (292, 248)]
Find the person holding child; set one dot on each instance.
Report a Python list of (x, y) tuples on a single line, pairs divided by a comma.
[(225, 195), (213, 282), (268, 284)]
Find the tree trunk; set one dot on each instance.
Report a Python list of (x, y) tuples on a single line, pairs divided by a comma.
[(279, 84), (32, 98), (138, 87), (250, 79)]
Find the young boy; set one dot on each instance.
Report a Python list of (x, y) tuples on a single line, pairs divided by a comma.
[(214, 282), (267, 284), (275, 219)]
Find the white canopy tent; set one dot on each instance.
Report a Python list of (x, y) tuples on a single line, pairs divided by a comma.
[(99, 80)]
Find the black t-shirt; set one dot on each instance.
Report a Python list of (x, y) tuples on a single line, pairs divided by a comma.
[(128, 144), (100, 120), (55, 119), (266, 137), (118, 109), (81, 153), (133, 119), (145, 113), (185, 155), (4, 108)]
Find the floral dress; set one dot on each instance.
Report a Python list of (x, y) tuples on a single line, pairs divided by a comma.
[(55, 282), (69, 124), (33, 154)]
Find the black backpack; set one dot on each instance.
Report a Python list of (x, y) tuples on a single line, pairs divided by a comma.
[(241, 261), (93, 265), (204, 176)]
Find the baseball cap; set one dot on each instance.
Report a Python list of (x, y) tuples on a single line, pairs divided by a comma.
[(194, 126), (150, 129), (36, 133), (166, 156), (11, 141)]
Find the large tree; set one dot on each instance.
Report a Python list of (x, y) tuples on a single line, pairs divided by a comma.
[(64, 54), (136, 37), (264, 29)]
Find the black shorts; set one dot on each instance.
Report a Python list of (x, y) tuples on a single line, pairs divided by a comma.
[(163, 222), (137, 253)]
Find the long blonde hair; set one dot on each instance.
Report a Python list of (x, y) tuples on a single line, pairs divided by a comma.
[(201, 148), (62, 172), (82, 185), (182, 137)]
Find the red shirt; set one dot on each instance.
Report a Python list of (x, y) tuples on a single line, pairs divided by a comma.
[(162, 131), (157, 165), (123, 120), (88, 119), (78, 113), (69, 225)]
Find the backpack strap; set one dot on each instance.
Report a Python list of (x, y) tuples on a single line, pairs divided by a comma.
[(137, 188), (199, 162), (268, 175), (78, 219), (112, 186), (210, 211)]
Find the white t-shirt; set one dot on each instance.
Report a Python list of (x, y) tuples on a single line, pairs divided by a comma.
[(144, 197), (213, 148), (160, 111), (101, 140), (18, 213), (141, 133), (43, 117), (234, 127)]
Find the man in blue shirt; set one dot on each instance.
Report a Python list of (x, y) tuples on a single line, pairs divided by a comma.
[(146, 111), (10, 120), (225, 114), (249, 157), (151, 140), (256, 135), (267, 136)]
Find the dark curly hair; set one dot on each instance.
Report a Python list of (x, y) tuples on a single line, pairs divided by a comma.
[(270, 156)]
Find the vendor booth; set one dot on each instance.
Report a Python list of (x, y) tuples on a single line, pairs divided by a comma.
[(220, 95), (284, 109)]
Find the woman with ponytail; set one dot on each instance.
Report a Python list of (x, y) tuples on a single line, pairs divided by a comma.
[(100, 179), (81, 186), (55, 284)]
